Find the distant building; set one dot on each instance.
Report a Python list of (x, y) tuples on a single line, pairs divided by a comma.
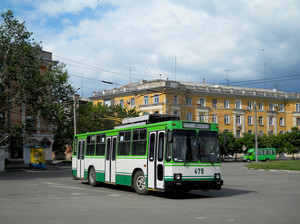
[(233, 108)]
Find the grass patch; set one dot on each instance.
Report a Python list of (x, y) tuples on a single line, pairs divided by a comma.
[(276, 165)]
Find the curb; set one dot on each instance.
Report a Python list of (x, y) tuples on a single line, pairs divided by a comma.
[(273, 170)]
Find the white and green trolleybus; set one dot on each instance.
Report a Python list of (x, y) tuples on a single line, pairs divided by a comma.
[(151, 152)]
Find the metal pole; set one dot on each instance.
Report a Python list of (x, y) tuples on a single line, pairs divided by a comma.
[(74, 98), (175, 67), (256, 147)]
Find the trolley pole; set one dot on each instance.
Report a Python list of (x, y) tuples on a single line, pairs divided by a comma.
[(256, 145)]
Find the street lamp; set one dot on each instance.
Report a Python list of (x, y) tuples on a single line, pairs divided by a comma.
[(255, 134), (255, 117)]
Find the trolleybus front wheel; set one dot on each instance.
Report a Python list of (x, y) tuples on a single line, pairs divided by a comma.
[(139, 183), (92, 177)]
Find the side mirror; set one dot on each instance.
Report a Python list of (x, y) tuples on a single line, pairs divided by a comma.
[(170, 137)]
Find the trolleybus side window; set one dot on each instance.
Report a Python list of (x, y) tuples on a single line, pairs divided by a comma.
[(139, 142), (78, 149), (90, 145), (151, 147), (114, 148), (161, 144), (100, 145), (108, 149), (75, 146), (124, 143)]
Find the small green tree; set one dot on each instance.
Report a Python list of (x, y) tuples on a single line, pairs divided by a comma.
[(292, 140), (229, 147)]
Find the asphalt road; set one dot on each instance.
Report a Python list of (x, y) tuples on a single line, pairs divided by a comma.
[(51, 196)]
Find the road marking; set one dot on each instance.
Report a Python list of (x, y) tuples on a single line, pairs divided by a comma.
[(200, 217)]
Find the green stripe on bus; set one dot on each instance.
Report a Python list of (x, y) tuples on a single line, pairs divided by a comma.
[(123, 179)]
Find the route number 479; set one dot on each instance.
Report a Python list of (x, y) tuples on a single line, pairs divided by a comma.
[(199, 171)]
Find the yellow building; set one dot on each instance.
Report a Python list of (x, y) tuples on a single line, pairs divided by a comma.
[(233, 108)]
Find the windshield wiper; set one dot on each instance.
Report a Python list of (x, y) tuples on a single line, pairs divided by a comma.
[(212, 163)]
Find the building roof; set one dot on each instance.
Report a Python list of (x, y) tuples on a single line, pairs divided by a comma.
[(159, 85)]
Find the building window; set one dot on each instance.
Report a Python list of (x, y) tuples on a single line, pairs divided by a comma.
[(175, 99), (121, 103), (261, 133), (297, 107), (189, 101), (250, 105), (146, 100), (271, 120), (202, 117), (238, 104), (156, 98), (281, 121), (260, 106), (298, 121), (226, 119), (215, 118), (175, 113), (250, 120), (214, 102), (250, 131), (189, 117), (201, 102), (132, 101), (238, 133), (156, 112), (261, 121), (107, 102), (238, 120), (226, 104), (281, 107), (271, 106)]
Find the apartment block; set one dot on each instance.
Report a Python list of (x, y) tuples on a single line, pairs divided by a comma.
[(233, 108)]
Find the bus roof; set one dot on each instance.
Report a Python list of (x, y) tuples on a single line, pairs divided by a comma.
[(171, 125)]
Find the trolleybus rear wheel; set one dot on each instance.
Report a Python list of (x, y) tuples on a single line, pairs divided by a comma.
[(139, 183), (92, 177)]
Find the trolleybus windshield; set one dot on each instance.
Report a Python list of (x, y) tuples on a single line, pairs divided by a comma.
[(190, 146)]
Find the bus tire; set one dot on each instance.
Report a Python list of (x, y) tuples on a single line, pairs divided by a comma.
[(92, 177), (139, 183), (267, 160), (248, 161)]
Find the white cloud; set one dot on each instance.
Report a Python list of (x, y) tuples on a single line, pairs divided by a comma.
[(207, 37)]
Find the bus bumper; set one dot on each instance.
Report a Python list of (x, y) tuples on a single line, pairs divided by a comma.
[(197, 185)]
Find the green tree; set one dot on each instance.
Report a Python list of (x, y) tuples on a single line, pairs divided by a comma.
[(23, 82), (98, 117), (292, 140), (227, 148)]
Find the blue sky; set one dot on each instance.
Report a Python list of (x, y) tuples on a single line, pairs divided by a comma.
[(125, 41)]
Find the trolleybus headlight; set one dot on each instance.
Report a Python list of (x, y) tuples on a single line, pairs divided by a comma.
[(177, 176), (217, 176)]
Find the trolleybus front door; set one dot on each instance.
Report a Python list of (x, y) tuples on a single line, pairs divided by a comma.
[(80, 158), (155, 160), (110, 159)]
